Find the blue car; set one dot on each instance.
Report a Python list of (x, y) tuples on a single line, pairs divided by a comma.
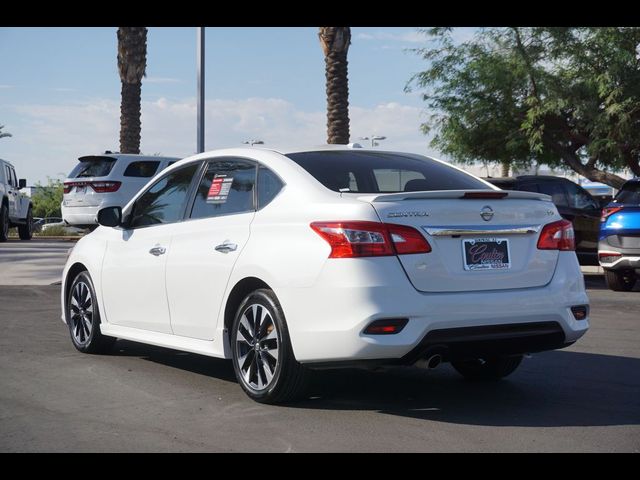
[(619, 240)]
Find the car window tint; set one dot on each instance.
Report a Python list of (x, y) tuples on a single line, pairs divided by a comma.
[(555, 190), (579, 197), (93, 167), (227, 187), (164, 201), (377, 172), (142, 169), (397, 180), (630, 193), (269, 185)]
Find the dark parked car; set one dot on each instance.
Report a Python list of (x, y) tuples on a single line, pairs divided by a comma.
[(574, 203)]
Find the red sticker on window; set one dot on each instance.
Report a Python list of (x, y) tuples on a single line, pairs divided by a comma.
[(219, 189)]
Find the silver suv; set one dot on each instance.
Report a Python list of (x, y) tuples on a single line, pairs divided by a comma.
[(15, 209)]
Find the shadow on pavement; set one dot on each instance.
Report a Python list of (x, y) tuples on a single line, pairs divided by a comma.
[(559, 388)]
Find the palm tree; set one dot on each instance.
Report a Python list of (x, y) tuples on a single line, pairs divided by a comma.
[(4, 134), (335, 43), (132, 64)]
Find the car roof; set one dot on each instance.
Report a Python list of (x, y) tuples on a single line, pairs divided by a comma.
[(127, 156)]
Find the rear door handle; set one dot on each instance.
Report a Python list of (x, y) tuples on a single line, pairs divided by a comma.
[(226, 247), (158, 250)]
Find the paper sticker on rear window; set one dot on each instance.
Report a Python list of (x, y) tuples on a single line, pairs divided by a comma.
[(219, 189)]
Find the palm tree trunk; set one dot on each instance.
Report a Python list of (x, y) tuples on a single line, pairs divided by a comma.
[(505, 169), (337, 98), (335, 43), (130, 117)]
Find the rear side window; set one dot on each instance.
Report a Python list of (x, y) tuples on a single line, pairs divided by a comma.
[(529, 187), (269, 185), (556, 191), (630, 193), (142, 169), (93, 167), (379, 172), (227, 187)]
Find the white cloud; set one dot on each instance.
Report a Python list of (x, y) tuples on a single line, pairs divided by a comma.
[(51, 137), (2, 87)]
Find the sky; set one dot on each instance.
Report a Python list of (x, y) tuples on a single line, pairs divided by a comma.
[(60, 91)]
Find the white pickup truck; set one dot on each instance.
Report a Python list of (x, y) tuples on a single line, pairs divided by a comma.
[(15, 209)]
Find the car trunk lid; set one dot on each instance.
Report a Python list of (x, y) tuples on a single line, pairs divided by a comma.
[(504, 227)]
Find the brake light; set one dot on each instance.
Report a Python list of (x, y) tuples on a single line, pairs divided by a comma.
[(370, 239), (607, 212), (557, 236), (485, 195), (69, 185), (105, 187)]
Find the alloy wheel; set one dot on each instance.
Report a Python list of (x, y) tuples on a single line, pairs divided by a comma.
[(81, 313), (257, 347)]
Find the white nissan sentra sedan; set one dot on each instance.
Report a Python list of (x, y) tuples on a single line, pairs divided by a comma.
[(285, 261)]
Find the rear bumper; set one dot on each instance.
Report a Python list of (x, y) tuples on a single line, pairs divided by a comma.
[(326, 321), (80, 215), (628, 258)]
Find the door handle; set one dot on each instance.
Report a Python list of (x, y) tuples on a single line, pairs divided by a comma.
[(158, 250), (226, 247)]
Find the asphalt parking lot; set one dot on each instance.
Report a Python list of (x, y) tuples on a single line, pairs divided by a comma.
[(140, 398)]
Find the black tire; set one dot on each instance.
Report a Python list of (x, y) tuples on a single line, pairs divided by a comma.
[(4, 223), (290, 379), (26, 231), (620, 281), (93, 341), (493, 368)]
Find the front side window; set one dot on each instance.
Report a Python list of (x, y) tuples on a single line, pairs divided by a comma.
[(227, 187), (165, 200), (579, 197), (142, 169), (381, 172)]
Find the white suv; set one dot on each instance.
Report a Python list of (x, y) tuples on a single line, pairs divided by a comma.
[(15, 208), (107, 180)]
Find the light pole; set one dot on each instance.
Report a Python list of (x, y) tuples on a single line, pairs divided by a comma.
[(374, 139), (200, 71), (253, 142)]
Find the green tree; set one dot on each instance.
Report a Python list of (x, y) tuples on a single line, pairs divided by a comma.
[(556, 96), (132, 65), (46, 199), (335, 43), (4, 134)]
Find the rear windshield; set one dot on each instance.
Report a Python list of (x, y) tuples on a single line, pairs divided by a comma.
[(630, 193), (373, 172), (93, 167)]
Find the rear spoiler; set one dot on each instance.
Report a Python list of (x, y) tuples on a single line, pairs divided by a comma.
[(87, 158), (488, 194)]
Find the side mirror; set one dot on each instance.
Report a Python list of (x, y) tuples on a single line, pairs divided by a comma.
[(110, 217), (22, 183)]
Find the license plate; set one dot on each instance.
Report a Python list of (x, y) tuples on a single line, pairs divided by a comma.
[(82, 189), (486, 254)]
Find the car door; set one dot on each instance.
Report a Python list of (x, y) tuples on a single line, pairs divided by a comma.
[(586, 218), (12, 192), (133, 272), (205, 248)]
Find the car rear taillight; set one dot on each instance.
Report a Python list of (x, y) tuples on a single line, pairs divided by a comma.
[(370, 239), (105, 187), (389, 326), (69, 185), (557, 236), (608, 257), (607, 212)]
